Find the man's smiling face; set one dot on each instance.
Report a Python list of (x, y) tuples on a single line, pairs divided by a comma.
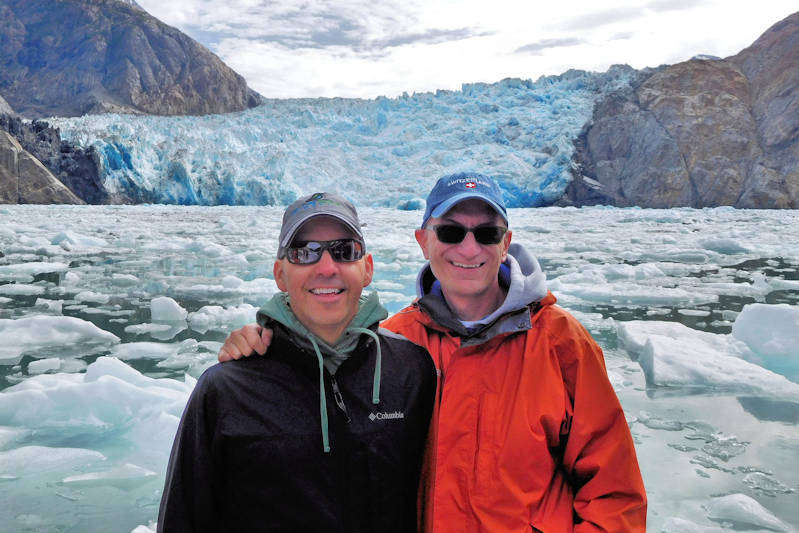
[(467, 270), (324, 295)]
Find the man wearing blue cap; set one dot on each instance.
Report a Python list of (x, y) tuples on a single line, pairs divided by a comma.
[(527, 433)]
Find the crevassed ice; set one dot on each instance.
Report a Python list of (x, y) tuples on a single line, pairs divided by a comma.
[(381, 152)]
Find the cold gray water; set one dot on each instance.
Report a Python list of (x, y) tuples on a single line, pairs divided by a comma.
[(109, 314)]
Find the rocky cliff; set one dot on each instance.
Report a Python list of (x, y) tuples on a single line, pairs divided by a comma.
[(700, 133), (77, 168), (73, 57), (24, 180)]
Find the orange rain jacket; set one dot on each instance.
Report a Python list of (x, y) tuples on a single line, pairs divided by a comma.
[(527, 433)]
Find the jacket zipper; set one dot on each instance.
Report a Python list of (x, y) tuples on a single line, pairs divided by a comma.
[(339, 398)]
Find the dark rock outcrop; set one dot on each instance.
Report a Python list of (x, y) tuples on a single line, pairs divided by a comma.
[(73, 57), (24, 180), (80, 170), (699, 133)]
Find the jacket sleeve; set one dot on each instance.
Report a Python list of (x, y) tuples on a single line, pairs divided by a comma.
[(599, 455), (187, 503)]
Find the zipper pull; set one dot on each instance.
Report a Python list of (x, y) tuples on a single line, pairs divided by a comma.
[(339, 398)]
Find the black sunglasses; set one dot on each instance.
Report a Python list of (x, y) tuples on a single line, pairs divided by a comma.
[(310, 252), (455, 233)]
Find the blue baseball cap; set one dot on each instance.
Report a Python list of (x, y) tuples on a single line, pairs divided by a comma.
[(455, 188)]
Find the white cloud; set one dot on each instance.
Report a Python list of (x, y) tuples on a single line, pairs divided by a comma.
[(366, 48)]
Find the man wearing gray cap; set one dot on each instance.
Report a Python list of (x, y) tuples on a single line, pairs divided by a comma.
[(326, 432)]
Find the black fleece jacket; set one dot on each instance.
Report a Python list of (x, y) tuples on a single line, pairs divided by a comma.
[(248, 454)]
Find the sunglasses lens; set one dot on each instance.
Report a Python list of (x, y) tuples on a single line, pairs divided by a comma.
[(489, 235), (308, 253), (453, 234), (346, 251), (450, 234)]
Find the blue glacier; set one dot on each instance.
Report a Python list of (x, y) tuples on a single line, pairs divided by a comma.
[(385, 152)]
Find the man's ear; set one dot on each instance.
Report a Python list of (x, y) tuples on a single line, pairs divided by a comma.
[(369, 269), (421, 237), (506, 244), (278, 271)]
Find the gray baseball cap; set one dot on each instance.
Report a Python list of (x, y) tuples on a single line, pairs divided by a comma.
[(314, 205)]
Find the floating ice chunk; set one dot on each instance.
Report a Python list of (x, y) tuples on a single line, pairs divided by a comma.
[(693, 312), (10, 435), (150, 528), (724, 246), (44, 365), (124, 477), (54, 306), (744, 512), (165, 309), (219, 318), (674, 355), (766, 484), (592, 290), (42, 331), (232, 282), (725, 448), (638, 272), (772, 332), (69, 240), (21, 289), (94, 297), (141, 329), (207, 248), (258, 289), (25, 272), (145, 350), (124, 280), (109, 396), (679, 525), (36, 459)]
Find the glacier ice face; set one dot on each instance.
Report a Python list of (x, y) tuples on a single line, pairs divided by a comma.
[(382, 152)]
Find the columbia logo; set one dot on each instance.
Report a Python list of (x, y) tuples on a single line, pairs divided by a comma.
[(386, 416)]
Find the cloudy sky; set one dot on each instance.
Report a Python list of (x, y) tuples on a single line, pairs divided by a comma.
[(368, 48)]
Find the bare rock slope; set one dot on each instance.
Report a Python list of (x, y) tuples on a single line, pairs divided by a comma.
[(700, 133), (73, 57)]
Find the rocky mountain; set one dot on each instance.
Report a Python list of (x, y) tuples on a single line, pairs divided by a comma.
[(77, 168), (700, 133), (74, 57), (24, 180)]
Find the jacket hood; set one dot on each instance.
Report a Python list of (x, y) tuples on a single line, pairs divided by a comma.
[(520, 275)]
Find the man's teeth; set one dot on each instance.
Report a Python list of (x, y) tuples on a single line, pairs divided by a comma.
[(326, 291), (462, 265)]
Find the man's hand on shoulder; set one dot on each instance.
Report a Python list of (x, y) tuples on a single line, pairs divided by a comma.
[(245, 342)]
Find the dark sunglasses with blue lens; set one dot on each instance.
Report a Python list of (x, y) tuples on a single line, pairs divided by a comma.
[(455, 233), (310, 252)]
